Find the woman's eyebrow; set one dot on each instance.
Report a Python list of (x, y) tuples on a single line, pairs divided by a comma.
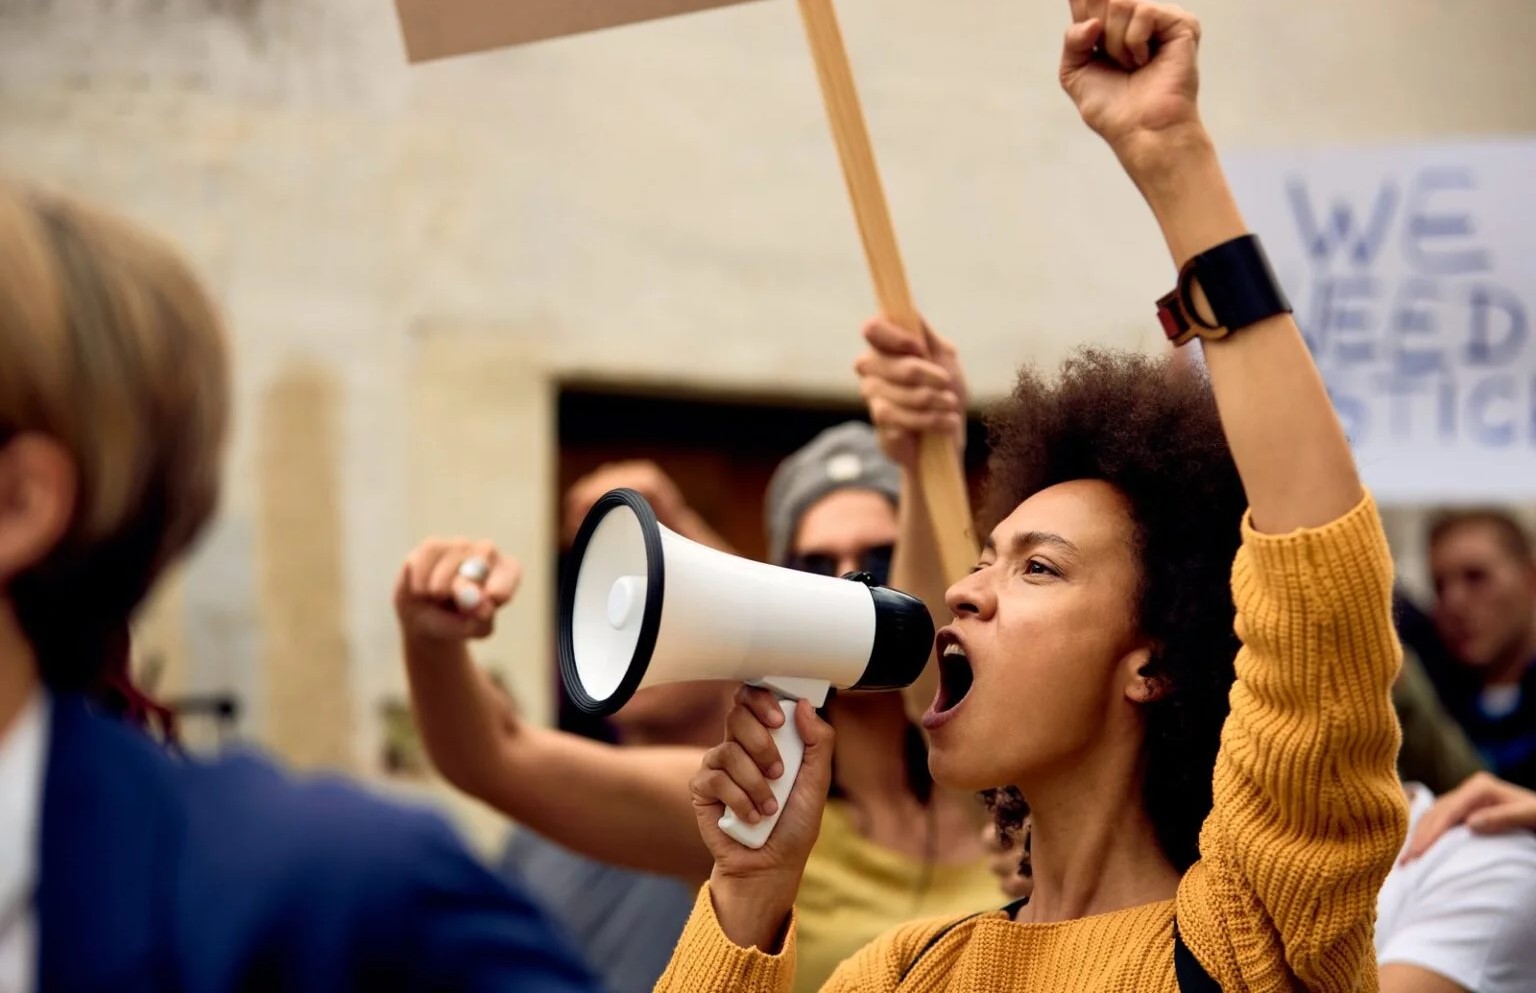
[(1024, 541)]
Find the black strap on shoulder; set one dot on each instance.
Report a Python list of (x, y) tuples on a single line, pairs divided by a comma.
[(928, 946), (1191, 975), (1012, 910)]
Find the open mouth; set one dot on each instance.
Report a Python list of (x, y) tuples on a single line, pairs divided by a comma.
[(955, 675)]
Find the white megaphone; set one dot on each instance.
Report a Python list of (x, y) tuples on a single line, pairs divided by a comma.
[(642, 605)]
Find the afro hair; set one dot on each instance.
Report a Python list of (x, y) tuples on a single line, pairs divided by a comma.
[(1150, 429)]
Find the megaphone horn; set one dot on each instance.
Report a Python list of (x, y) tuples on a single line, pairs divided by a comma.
[(642, 605)]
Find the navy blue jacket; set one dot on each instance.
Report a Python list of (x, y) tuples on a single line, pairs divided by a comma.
[(163, 874)]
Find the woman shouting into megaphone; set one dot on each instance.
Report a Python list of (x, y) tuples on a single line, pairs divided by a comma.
[(1208, 810)]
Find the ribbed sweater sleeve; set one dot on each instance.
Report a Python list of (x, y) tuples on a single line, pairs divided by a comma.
[(1308, 812)]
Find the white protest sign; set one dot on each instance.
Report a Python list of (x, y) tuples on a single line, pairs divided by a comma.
[(1413, 275)]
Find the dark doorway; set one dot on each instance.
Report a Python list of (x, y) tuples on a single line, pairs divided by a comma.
[(720, 452)]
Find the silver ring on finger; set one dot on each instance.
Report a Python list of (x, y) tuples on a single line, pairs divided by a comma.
[(475, 569)]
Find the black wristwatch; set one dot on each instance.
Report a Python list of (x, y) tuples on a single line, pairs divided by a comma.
[(1239, 285)]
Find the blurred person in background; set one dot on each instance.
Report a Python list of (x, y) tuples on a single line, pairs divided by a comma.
[(123, 865), (1436, 749), (891, 847), (1485, 609), (1458, 911)]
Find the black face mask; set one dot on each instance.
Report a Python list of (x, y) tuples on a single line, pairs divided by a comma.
[(875, 561)]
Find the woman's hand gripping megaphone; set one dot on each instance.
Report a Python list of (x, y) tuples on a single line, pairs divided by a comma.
[(737, 776)]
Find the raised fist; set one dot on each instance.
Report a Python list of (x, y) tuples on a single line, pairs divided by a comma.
[(1131, 68), (449, 589)]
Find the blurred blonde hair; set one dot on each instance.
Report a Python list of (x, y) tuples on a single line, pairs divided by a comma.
[(108, 345)]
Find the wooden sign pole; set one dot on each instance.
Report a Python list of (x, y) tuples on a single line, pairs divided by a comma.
[(938, 462)]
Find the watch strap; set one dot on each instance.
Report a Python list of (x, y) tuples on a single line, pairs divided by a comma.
[(1240, 287)]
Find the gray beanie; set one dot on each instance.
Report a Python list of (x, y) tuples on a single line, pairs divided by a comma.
[(847, 457)]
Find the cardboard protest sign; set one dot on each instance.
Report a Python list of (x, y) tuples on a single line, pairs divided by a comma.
[(436, 29)]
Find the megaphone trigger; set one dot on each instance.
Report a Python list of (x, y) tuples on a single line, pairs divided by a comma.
[(786, 737)]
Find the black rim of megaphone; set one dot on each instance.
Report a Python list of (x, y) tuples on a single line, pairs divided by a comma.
[(650, 621)]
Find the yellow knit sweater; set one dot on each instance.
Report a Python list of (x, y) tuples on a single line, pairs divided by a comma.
[(1308, 818), (854, 891)]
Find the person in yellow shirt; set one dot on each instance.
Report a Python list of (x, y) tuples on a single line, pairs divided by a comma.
[(1194, 699)]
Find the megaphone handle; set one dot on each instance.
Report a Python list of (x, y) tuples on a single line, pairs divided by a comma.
[(791, 752)]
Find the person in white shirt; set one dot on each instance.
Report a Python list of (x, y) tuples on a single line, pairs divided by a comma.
[(1462, 915)]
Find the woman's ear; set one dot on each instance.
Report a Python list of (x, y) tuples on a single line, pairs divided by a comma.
[(37, 501), (1144, 683)]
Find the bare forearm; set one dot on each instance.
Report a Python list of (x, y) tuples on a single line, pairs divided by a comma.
[(626, 806), (1289, 447), (459, 713), (918, 570)]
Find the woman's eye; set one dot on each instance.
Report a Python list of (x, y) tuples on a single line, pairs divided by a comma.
[(983, 565), (1034, 567)]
